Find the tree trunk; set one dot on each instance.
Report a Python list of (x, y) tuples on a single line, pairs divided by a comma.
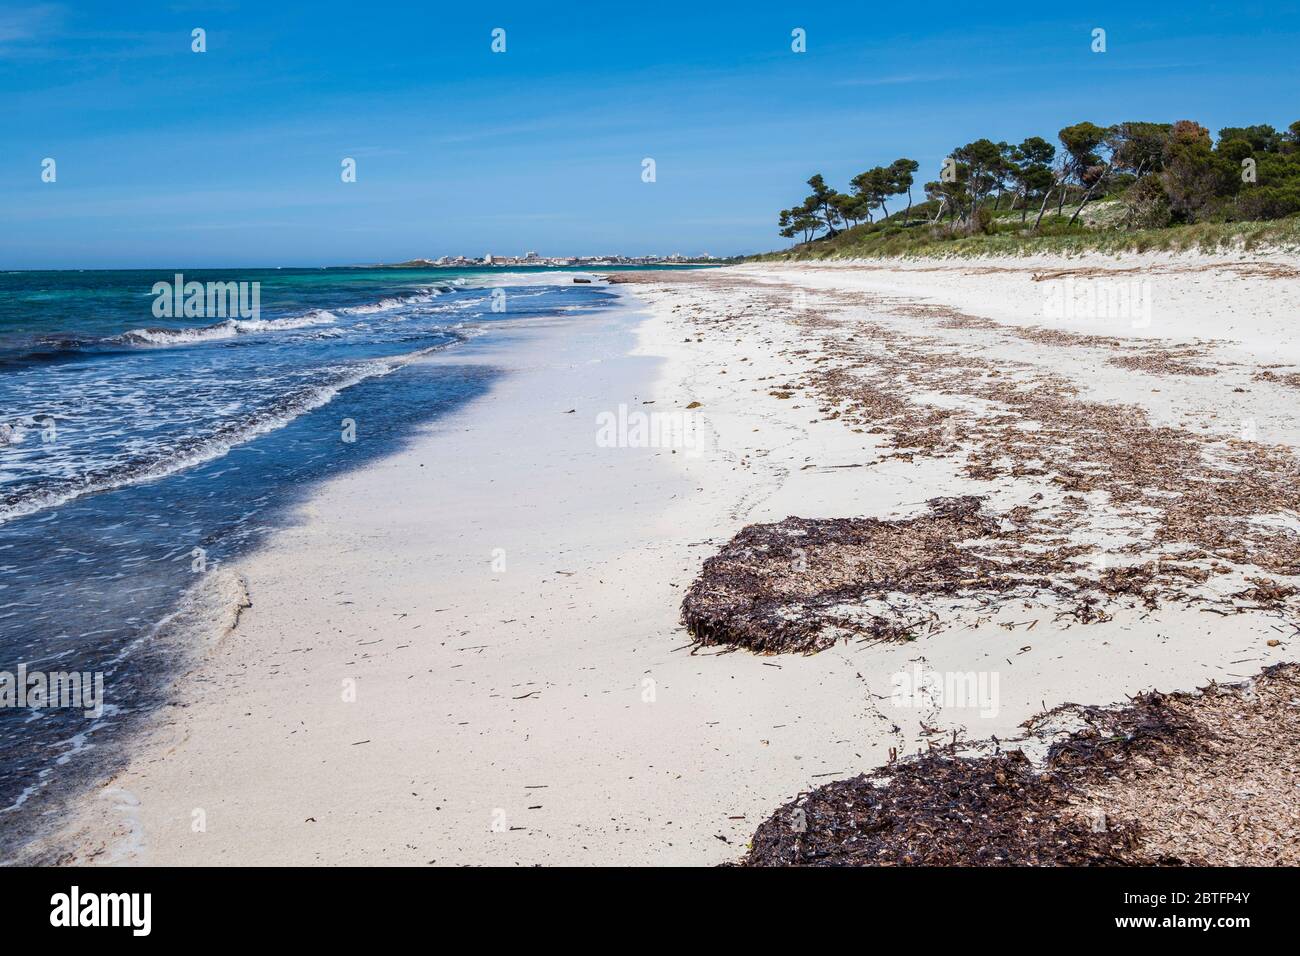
[(1041, 209), (827, 214), (1088, 194)]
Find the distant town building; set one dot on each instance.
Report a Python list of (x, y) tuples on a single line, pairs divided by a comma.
[(533, 258)]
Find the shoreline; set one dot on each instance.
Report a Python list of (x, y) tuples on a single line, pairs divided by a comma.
[(526, 731), (506, 436)]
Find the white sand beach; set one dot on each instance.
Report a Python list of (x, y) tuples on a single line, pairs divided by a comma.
[(471, 651)]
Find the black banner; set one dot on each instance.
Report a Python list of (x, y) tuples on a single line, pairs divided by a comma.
[(330, 905)]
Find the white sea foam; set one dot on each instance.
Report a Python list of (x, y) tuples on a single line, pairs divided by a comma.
[(214, 446), (228, 329), (395, 302), (233, 327)]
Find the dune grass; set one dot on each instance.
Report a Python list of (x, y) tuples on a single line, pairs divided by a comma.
[(891, 239)]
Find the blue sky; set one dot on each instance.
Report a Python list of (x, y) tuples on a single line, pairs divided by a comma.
[(232, 157)]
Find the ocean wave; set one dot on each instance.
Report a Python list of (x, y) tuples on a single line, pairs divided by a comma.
[(200, 449), (397, 302), (231, 328), (227, 329), (17, 352)]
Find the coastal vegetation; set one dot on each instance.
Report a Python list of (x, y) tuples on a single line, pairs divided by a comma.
[(1130, 186)]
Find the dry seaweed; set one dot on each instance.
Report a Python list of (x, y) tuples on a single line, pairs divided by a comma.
[(1161, 490), (1161, 362), (800, 584), (1289, 379), (1206, 778), (937, 810)]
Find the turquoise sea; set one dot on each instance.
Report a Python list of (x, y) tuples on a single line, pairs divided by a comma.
[(132, 445)]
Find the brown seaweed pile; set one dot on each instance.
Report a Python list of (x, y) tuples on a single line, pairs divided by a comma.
[(1205, 778), (1162, 362), (1289, 379), (1185, 505), (778, 587), (799, 585), (1179, 779)]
